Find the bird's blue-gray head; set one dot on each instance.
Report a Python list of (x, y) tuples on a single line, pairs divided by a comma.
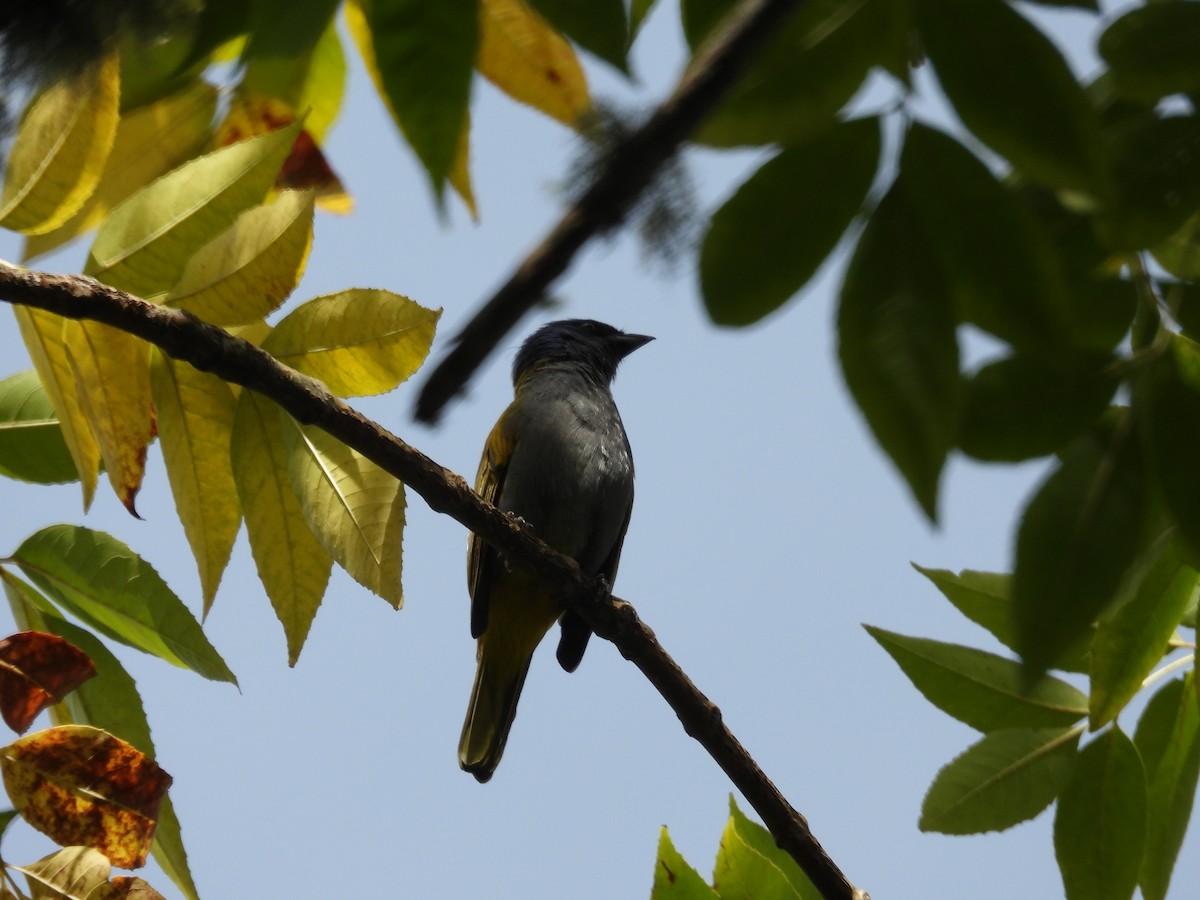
[(595, 347)]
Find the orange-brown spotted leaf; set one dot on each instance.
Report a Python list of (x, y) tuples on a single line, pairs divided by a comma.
[(37, 669), (81, 872), (525, 57), (252, 114), (82, 786), (112, 371)]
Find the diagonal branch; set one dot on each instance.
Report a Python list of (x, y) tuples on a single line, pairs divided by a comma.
[(212, 349), (629, 168)]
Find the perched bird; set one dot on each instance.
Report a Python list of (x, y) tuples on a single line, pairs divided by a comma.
[(558, 458)]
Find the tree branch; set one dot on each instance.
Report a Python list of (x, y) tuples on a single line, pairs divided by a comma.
[(211, 349), (629, 168)]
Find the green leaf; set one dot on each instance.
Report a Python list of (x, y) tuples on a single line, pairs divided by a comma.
[(1021, 407), (1002, 269), (425, 54), (898, 348), (31, 440), (1167, 399), (1155, 165), (1168, 739), (760, 840), (1000, 781), (806, 74), (292, 565), (146, 242), (359, 342), (674, 879), (770, 237), (101, 581), (1152, 50), (6, 818), (598, 25), (986, 599), (1034, 113), (1078, 536), (355, 508), (1180, 253), (638, 11), (741, 871), (1130, 643), (1100, 826), (248, 270), (981, 689)]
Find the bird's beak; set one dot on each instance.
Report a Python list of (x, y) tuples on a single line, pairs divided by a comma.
[(624, 344)]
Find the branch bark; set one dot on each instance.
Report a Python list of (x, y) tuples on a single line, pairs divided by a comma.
[(214, 350), (627, 171)]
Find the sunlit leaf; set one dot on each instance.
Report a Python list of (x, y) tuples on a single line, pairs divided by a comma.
[(31, 439), (1078, 536), (145, 243), (60, 150), (112, 381), (1035, 112), (770, 237), (1000, 781), (359, 342), (42, 333), (355, 508), (982, 689), (81, 873), (674, 879), (150, 141), (531, 62), (292, 565), (759, 840), (248, 270), (37, 669), (82, 786), (101, 581), (741, 871), (195, 427), (898, 348), (1100, 825), (1168, 740), (1133, 640)]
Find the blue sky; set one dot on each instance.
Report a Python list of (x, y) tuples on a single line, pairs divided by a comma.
[(767, 528)]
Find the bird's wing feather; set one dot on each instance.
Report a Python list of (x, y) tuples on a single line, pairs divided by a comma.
[(482, 558)]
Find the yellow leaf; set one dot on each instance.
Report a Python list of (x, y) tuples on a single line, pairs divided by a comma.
[(145, 243), (292, 565), (358, 342), (42, 333), (355, 508), (112, 369), (195, 423), (360, 31), (249, 269), (81, 785), (81, 872), (525, 57), (151, 140), (60, 150)]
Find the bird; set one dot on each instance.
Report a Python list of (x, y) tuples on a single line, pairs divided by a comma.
[(559, 458)]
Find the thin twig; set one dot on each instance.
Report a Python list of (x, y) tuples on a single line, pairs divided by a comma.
[(211, 349), (630, 167)]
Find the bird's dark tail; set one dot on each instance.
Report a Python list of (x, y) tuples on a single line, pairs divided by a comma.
[(493, 706)]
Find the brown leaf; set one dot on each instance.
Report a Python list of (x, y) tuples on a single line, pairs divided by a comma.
[(82, 786), (37, 670)]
